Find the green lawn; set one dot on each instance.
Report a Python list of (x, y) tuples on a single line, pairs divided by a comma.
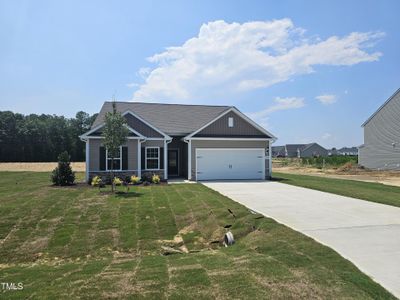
[(65, 243), (375, 192)]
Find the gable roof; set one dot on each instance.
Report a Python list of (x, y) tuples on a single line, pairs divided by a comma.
[(171, 119), (294, 147), (96, 130), (240, 114), (348, 149), (301, 147), (382, 106), (309, 145)]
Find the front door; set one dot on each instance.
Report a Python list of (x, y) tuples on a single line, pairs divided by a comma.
[(173, 162)]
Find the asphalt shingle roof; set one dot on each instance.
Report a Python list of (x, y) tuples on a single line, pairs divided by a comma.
[(172, 119)]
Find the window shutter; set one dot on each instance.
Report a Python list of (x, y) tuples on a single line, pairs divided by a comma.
[(143, 157), (124, 158), (161, 158), (102, 159)]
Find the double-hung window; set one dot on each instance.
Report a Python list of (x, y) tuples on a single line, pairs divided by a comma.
[(117, 160), (152, 158)]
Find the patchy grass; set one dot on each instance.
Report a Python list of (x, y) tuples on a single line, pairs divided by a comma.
[(370, 191), (65, 243)]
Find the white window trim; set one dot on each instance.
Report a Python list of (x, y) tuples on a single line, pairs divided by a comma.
[(158, 158), (120, 160), (231, 122)]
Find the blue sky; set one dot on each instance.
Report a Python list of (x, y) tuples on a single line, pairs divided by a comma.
[(306, 70)]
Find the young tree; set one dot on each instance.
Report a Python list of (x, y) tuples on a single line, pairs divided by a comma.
[(115, 134), (63, 175)]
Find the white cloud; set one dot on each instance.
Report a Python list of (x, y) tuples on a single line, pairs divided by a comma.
[(279, 104), (326, 99), (227, 58), (326, 136), (132, 85)]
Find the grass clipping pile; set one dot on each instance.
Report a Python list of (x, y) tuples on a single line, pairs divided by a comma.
[(206, 237)]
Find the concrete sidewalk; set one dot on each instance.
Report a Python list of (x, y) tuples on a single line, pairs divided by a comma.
[(366, 233)]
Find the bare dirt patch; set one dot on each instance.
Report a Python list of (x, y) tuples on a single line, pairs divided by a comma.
[(384, 177), (38, 166)]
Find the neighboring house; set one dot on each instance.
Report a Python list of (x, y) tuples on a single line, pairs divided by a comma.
[(332, 151), (353, 151), (198, 142), (300, 150), (278, 151), (381, 148)]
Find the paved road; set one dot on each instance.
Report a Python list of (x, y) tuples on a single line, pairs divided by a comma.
[(366, 233)]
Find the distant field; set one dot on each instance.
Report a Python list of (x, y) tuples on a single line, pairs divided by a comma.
[(38, 166)]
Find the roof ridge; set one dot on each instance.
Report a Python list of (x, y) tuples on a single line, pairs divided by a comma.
[(160, 103)]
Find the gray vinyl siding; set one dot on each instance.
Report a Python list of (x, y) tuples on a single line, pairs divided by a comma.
[(380, 133), (94, 153), (241, 128), (314, 150), (141, 127), (196, 144)]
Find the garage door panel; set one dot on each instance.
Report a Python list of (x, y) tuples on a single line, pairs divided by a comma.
[(224, 163)]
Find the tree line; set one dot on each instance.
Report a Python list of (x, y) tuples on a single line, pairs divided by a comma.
[(40, 138)]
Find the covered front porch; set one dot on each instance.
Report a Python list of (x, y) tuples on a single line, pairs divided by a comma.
[(177, 158)]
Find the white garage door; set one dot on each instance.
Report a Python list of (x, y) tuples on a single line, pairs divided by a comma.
[(230, 163)]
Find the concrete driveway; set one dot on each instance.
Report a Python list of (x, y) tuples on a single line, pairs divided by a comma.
[(366, 233)]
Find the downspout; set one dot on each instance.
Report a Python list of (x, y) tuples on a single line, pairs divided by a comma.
[(189, 142)]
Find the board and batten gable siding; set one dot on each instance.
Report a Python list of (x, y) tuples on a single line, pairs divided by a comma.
[(94, 154), (197, 144), (381, 148), (220, 128), (314, 150), (141, 127)]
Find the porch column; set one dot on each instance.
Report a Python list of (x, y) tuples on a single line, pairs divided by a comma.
[(165, 159), (87, 160), (269, 159), (139, 157), (190, 160)]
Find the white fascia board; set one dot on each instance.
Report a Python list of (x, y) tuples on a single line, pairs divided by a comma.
[(262, 129), (86, 135), (148, 124)]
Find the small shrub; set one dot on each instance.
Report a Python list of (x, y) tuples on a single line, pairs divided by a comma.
[(135, 179), (155, 179), (97, 181), (62, 174), (117, 181), (146, 177)]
